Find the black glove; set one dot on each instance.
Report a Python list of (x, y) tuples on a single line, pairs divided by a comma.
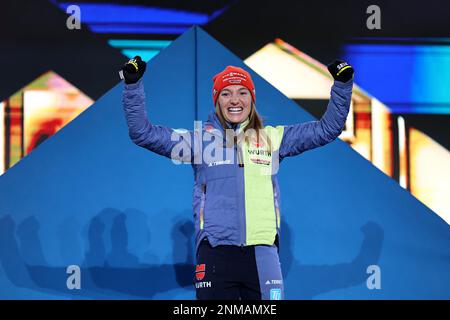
[(133, 70), (341, 70)]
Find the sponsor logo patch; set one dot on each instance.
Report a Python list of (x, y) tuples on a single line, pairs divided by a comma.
[(274, 282), (200, 271), (257, 143), (218, 163), (261, 161), (204, 284), (275, 294), (209, 127)]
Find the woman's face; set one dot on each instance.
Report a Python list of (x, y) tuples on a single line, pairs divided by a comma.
[(235, 102)]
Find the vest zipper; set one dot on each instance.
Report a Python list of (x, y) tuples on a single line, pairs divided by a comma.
[(240, 161), (202, 207)]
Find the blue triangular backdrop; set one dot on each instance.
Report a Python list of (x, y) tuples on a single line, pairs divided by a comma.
[(89, 197)]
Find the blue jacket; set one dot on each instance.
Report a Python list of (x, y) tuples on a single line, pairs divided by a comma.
[(236, 199)]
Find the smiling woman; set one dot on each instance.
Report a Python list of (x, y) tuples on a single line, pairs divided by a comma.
[(236, 202), (233, 94), (234, 98)]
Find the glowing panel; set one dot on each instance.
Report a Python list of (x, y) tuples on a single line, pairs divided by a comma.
[(146, 55), (403, 168), (293, 77), (408, 78), (150, 44), (381, 137), (113, 13), (430, 172), (113, 18), (39, 110), (118, 29), (147, 49), (348, 134), (47, 111)]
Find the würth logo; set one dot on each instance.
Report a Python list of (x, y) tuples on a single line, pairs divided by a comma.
[(200, 271)]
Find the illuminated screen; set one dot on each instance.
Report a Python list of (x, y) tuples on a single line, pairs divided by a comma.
[(47, 111), (408, 78), (38, 111)]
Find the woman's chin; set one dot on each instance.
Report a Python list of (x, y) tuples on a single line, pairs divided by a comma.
[(235, 119)]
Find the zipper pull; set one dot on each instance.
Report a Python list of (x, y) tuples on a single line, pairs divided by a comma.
[(240, 160), (239, 153)]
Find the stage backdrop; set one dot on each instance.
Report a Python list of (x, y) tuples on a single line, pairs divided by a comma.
[(91, 210)]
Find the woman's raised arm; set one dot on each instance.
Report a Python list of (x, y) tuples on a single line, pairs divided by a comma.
[(309, 135), (156, 138)]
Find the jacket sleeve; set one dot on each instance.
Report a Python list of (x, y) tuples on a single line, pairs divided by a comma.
[(156, 138), (309, 135)]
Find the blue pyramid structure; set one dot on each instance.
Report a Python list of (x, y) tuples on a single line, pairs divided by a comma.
[(88, 197)]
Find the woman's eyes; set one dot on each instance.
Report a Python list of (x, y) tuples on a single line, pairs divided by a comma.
[(226, 94)]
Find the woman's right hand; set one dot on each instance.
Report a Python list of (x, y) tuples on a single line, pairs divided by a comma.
[(133, 70)]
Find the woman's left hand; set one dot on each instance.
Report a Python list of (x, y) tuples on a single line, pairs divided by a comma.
[(341, 70)]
